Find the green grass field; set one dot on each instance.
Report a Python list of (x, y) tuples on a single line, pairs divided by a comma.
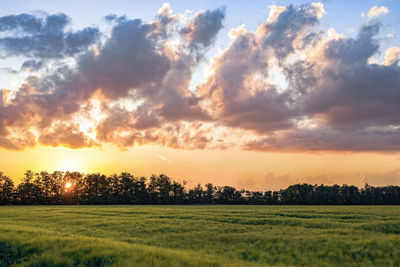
[(200, 235)]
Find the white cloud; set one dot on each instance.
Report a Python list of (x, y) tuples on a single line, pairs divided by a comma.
[(391, 56), (318, 9), (373, 61), (274, 12), (236, 32), (165, 9), (376, 11)]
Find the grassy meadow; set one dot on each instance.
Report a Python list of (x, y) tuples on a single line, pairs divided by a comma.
[(199, 235)]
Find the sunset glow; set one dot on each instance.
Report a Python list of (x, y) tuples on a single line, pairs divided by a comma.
[(69, 163), (258, 96), (68, 185)]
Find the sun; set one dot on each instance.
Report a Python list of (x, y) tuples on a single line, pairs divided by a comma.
[(68, 185)]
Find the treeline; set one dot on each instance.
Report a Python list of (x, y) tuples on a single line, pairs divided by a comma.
[(76, 188)]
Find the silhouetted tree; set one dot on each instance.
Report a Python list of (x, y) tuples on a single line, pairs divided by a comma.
[(29, 192), (229, 195), (96, 188), (350, 195), (254, 198), (123, 188), (141, 193), (209, 193), (6, 190), (160, 188), (196, 194), (75, 192), (178, 194)]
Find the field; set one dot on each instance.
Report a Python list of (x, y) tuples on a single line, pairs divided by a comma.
[(199, 235)]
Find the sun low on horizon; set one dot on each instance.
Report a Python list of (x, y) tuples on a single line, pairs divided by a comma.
[(257, 96)]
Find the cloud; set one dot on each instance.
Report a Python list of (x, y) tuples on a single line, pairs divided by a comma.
[(392, 55), (274, 12), (32, 65), (65, 135), (202, 30), (270, 182), (135, 63), (383, 179), (238, 31), (376, 11), (128, 60), (349, 92), (239, 89), (43, 38), (328, 139), (319, 10), (275, 182), (291, 23), (9, 70), (182, 135), (18, 141), (134, 86), (349, 102)]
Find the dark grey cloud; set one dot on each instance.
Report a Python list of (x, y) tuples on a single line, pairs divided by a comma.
[(289, 25), (351, 93), (115, 18), (24, 22), (43, 38), (128, 60), (358, 50), (263, 112), (204, 27), (32, 65), (325, 138)]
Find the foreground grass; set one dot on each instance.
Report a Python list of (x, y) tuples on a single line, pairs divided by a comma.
[(199, 235)]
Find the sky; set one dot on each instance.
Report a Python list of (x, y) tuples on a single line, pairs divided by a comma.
[(257, 95)]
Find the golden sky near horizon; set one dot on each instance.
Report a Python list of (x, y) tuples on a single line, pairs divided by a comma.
[(244, 169)]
